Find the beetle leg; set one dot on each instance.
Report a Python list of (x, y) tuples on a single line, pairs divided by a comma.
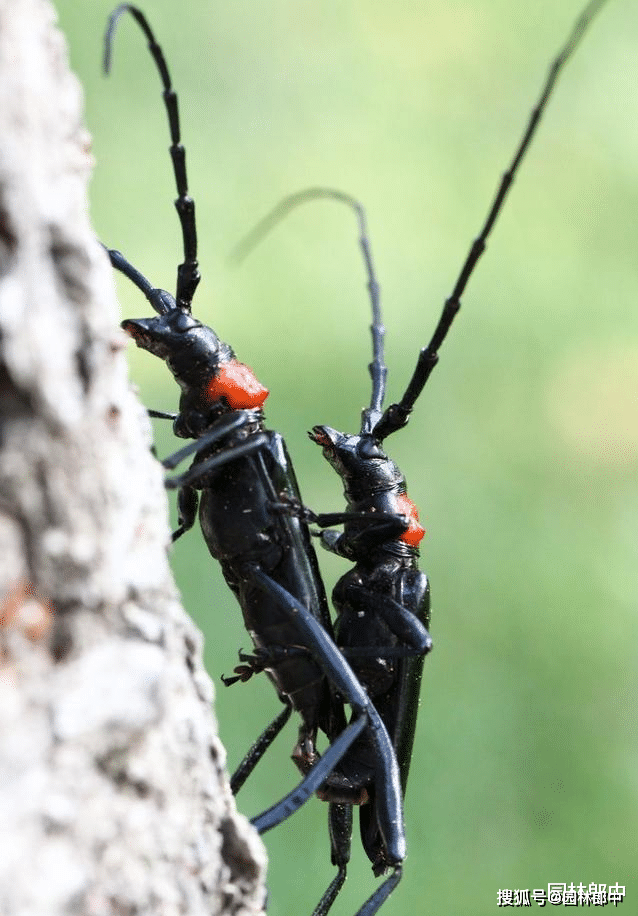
[(258, 749)]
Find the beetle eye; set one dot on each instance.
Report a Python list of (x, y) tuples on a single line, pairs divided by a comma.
[(368, 448), (183, 322)]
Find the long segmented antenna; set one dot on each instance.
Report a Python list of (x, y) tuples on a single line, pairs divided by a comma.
[(188, 275), (377, 368), (396, 416), (161, 301)]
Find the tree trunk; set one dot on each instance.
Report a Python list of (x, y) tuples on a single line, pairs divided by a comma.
[(113, 796)]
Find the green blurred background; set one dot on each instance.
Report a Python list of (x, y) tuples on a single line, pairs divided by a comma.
[(522, 452)]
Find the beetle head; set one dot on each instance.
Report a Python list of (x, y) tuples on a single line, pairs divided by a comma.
[(203, 365), (359, 460)]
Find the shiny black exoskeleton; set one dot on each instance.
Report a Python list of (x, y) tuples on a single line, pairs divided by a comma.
[(382, 603), (239, 472), (240, 468), (383, 611)]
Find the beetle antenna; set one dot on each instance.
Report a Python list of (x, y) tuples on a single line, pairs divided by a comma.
[(161, 301), (188, 275), (396, 416), (377, 368)]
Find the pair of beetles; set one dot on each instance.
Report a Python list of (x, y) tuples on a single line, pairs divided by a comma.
[(242, 484)]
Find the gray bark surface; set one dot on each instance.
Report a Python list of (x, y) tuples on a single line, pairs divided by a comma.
[(113, 797)]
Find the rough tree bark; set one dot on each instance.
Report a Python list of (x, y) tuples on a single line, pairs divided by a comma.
[(113, 798)]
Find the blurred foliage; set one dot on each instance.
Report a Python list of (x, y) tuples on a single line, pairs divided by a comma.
[(522, 451)]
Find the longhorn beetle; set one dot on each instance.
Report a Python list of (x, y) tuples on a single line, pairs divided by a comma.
[(241, 470), (382, 603)]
